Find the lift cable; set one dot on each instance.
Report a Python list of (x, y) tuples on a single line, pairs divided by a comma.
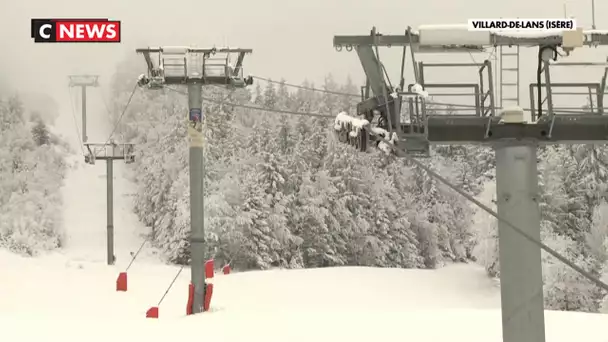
[(279, 111), (454, 105), (292, 85), (122, 114), (73, 110), (518, 230), (105, 104)]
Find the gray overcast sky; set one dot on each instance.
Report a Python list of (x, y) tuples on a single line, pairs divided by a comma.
[(291, 39)]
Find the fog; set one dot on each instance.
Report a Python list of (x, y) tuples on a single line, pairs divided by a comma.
[(290, 39)]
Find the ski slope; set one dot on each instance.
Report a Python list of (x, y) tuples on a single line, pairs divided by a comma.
[(70, 295), (53, 299), (85, 189), (85, 213)]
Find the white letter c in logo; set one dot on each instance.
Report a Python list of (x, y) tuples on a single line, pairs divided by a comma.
[(42, 30)]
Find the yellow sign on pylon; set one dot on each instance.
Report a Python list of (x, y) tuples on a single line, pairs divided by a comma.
[(195, 137)]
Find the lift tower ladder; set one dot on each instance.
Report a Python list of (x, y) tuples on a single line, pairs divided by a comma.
[(509, 67)]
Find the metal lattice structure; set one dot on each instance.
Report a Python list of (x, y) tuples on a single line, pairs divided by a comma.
[(178, 65), (109, 151), (380, 117), (478, 123)]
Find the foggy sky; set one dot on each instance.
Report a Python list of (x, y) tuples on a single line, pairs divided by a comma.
[(290, 39)]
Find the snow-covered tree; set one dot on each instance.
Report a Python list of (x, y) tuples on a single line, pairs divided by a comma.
[(40, 133), (31, 173), (280, 191)]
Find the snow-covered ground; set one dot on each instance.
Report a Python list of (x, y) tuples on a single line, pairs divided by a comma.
[(70, 295), (53, 298), (85, 213), (84, 193)]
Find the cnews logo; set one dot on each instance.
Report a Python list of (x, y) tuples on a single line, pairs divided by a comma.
[(75, 31)]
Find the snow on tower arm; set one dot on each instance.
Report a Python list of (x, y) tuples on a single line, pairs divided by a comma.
[(386, 140), (418, 89), (344, 120)]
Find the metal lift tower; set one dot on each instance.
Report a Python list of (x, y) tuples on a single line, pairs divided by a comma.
[(84, 81), (109, 152), (515, 141), (195, 67)]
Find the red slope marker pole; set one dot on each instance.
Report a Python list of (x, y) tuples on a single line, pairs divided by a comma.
[(209, 273), (208, 289), (208, 295), (226, 269), (209, 269), (190, 299), (153, 311), (121, 281)]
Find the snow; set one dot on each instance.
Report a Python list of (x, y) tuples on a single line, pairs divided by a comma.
[(455, 303), (380, 131), (513, 114), (70, 295), (227, 48), (388, 139), (385, 134), (385, 147), (418, 89), (175, 50), (85, 213), (394, 138), (343, 118), (512, 109), (84, 198)]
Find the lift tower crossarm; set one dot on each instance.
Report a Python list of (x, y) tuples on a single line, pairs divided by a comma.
[(559, 129), (369, 61), (181, 65), (592, 38), (83, 80), (380, 103), (193, 50)]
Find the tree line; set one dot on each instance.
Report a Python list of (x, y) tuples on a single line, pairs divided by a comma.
[(281, 191)]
